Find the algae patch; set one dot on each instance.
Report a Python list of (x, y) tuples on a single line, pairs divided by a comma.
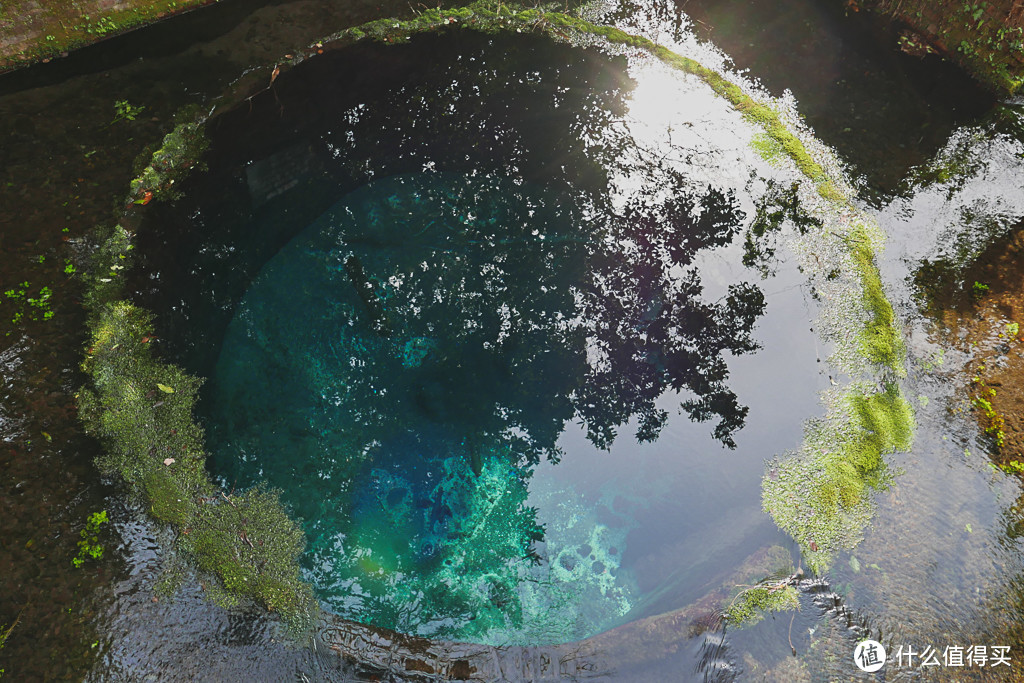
[(141, 409)]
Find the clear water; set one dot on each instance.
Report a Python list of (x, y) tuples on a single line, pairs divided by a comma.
[(402, 367), (920, 577), (480, 378)]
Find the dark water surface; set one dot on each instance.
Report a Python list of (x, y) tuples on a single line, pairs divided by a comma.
[(539, 393)]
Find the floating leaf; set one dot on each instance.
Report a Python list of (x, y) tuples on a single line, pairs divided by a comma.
[(164, 388), (47, 436)]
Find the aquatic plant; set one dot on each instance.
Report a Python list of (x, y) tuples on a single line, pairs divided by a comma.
[(141, 409), (992, 422), (749, 606), (90, 545), (819, 493), (124, 111)]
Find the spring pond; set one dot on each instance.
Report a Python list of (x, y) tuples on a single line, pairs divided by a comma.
[(477, 306), (484, 369)]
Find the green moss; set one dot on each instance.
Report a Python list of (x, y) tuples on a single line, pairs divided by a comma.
[(180, 153), (880, 340), (68, 25), (751, 604), (252, 546), (141, 409), (820, 495), (767, 147)]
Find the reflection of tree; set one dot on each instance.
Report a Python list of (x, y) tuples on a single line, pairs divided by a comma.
[(426, 342), (462, 323), (653, 331)]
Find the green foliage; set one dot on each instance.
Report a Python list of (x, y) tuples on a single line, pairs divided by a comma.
[(37, 307), (991, 420), (123, 111), (90, 545), (1012, 467), (751, 604), (979, 290)]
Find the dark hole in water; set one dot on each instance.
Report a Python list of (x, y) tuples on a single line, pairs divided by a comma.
[(407, 271)]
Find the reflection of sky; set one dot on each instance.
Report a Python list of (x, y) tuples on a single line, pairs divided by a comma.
[(939, 582), (647, 527)]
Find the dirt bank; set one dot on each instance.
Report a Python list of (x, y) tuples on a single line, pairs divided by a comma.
[(983, 36)]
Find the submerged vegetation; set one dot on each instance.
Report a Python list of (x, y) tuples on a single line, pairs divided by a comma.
[(749, 606), (141, 409), (819, 495), (90, 545)]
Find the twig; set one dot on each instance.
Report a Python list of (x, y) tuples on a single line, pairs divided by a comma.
[(7, 634), (791, 634)]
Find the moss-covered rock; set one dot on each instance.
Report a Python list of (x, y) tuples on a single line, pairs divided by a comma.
[(141, 409)]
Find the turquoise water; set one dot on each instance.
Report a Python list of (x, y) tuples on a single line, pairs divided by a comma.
[(401, 367)]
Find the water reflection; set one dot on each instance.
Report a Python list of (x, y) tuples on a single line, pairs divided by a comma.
[(403, 364), (883, 110)]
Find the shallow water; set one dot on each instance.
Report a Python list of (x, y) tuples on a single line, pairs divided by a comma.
[(938, 567)]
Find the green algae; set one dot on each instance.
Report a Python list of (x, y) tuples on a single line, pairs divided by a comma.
[(141, 409), (880, 340), (751, 604), (819, 495), (170, 163)]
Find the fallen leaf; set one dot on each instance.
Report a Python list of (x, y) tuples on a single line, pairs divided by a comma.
[(169, 461), (164, 388)]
